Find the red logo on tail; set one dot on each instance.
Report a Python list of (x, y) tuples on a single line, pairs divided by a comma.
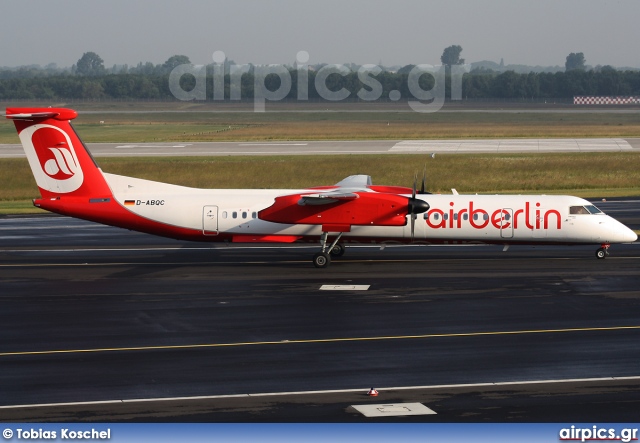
[(52, 157), (54, 154)]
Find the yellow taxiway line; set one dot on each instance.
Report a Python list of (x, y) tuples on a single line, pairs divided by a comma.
[(321, 340)]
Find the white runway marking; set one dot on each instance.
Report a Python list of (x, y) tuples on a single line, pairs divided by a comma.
[(344, 287), (263, 152), (273, 144), (150, 146), (393, 410), (336, 391), (513, 145)]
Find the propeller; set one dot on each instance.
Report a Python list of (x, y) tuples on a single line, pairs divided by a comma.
[(423, 185), (416, 206)]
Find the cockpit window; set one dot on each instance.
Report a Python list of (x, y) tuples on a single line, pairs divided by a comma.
[(589, 209), (593, 210), (578, 210)]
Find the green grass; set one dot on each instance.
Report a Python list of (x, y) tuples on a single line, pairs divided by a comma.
[(369, 125), (585, 174), (148, 132), (19, 207), (174, 126)]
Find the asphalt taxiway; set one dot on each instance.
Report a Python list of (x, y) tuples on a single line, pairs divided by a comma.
[(105, 324), (338, 147)]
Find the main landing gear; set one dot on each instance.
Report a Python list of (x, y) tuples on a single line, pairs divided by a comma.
[(603, 251), (322, 259)]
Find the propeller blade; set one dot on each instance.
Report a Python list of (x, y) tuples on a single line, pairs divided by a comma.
[(415, 205), (415, 183), (413, 226), (424, 180)]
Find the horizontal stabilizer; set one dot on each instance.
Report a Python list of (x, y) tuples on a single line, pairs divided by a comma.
[(30, 114)]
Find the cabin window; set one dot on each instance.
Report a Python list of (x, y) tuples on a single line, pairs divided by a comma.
[(465, 216), (578, 210), (254, 215), (445, 216), (224, 214), (234, 214), (475, 216), (244, 215), (436, 216), (455, 216)]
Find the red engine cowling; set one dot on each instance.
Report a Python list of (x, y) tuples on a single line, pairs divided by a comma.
[(369, 209)]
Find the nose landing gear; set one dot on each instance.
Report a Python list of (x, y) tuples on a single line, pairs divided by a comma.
[(603, 251)]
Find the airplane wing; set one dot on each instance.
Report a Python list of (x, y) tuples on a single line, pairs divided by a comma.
[(346, 191), (353, 203), (326, 198)]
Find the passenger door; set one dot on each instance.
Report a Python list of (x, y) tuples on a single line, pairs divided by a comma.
[(506, 219), (210, 220)]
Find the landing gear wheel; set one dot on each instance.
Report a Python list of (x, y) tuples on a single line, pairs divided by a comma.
[(602, 253), (321, 260), (337, 251)]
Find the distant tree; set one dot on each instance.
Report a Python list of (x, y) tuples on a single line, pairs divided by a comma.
[(509, 85), (175, 60), (609, 81), (90, 64), (451, 56), (92, 89), (575, 61), (148, 69)]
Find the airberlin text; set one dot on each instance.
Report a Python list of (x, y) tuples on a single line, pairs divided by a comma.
[(63, 434), (504, 218)]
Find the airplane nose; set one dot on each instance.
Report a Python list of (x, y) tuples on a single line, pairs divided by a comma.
[(620, 232), (630, 236), (624, 234)]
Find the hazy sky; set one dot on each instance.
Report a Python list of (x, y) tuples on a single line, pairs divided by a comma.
[(396, 32)]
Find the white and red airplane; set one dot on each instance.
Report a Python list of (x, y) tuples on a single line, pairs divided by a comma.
[(351, 211)]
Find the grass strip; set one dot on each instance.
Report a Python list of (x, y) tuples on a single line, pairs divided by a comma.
[(388, 125)]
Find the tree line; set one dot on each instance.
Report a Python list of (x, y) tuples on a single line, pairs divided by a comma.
[(88, 79), (475, 85)]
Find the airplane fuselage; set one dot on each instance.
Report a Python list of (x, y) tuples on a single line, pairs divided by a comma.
[(233, 215)]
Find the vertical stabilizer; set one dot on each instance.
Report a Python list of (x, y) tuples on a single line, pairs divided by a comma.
[(61, 164)]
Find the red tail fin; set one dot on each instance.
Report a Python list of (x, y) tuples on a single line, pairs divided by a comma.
[(70, 181), (61, 164)]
